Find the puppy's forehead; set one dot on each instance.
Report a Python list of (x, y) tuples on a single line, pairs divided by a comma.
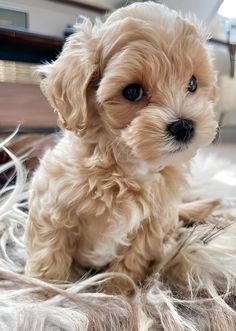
[(157, 35), (132, 45), (145, 11)]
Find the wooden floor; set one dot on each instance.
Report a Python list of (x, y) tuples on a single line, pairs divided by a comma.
[(26, 104)]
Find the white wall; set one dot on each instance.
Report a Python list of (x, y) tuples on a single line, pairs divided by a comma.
[(48, 17), (205, 10), (221, 58)]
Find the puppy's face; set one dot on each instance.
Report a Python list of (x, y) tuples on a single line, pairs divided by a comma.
[(155, 86)]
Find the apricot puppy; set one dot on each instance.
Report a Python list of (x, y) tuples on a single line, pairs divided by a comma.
[(134, 96)]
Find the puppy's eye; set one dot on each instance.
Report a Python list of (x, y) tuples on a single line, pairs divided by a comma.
[(192, 84), (133, 92)]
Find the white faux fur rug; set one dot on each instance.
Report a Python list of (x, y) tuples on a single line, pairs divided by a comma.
[(194, 289)]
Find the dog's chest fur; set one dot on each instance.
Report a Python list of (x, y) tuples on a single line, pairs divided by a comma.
[(120, 210), (99, 207)]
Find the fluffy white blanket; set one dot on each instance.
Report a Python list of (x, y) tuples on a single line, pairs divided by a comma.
[(195, 289)]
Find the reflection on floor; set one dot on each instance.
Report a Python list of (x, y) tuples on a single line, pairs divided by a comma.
[(218, 161), (223, 150)]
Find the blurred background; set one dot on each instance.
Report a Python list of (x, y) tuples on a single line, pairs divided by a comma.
[(33, 31)]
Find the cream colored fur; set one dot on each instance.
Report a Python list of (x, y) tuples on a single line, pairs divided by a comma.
[(108, 194)]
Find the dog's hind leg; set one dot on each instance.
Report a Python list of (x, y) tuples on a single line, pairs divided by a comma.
[(197, 211)]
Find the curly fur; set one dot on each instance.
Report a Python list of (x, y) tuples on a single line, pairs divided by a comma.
[(108, 195)]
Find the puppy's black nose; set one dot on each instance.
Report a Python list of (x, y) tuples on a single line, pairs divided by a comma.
[(182, 130)]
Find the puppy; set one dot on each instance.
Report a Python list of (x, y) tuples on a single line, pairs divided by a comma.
[(134, 98)]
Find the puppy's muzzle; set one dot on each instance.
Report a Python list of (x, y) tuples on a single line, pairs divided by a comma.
[(182, 130)]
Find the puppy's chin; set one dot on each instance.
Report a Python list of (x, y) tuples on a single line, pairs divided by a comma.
[(172, 158), (183, 152), (171, 154), (180, 154), (143, 168)]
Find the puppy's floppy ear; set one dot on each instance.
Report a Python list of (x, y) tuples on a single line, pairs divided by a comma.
[(66, 82)]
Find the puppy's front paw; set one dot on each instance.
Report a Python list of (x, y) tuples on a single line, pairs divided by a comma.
[(121, 281), (118, 285), (197, 211)]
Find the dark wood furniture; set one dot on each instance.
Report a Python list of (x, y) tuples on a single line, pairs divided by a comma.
[(28, 47), (21, 101)]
